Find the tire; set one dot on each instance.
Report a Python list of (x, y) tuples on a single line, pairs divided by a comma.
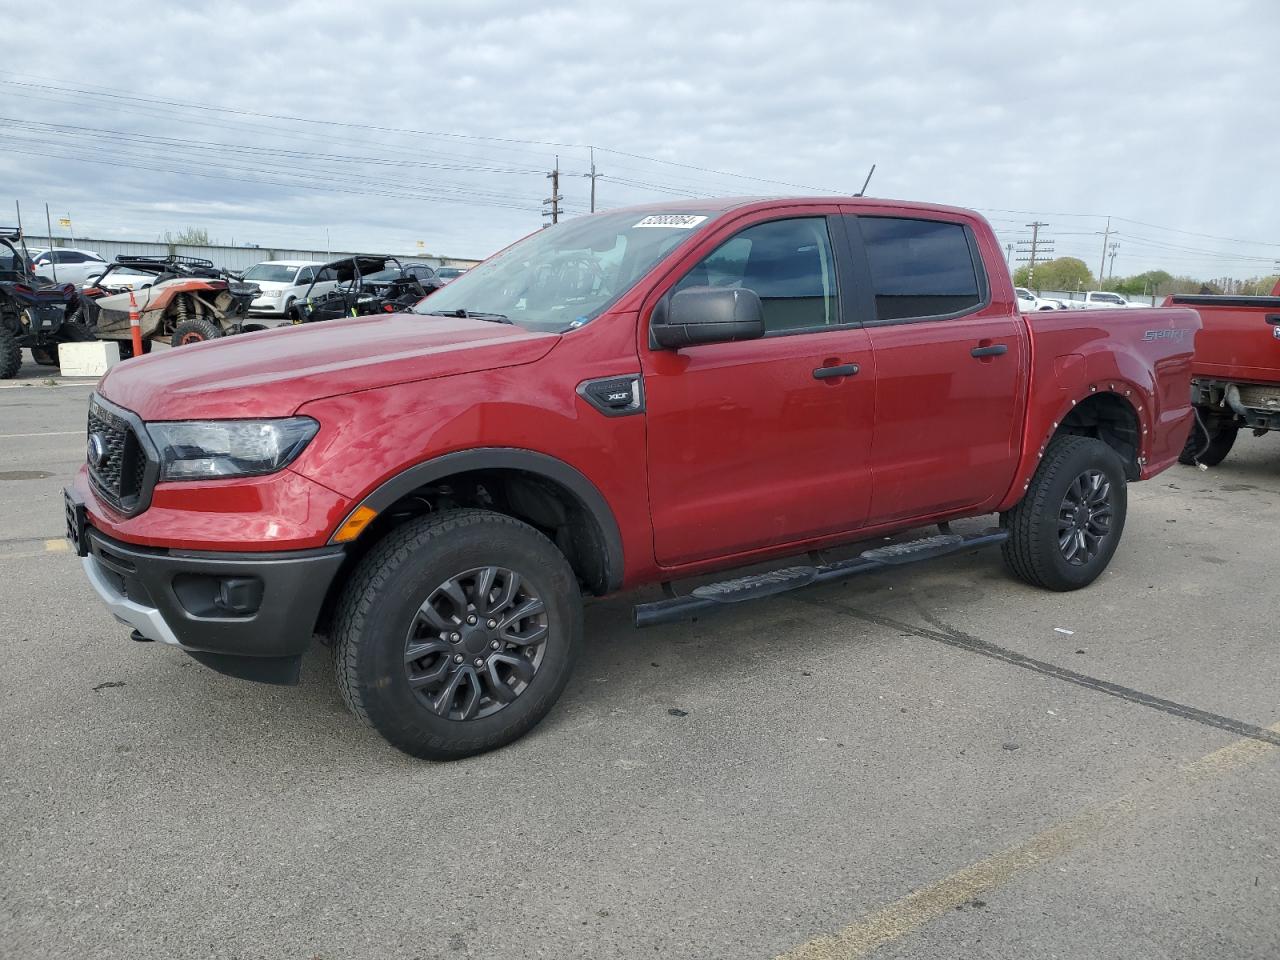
[(45, 356), (194, 331), (70, 332), (126, 348), (1209, 448), (10, 353), (1086, 477), (73, 331), (437, 707)]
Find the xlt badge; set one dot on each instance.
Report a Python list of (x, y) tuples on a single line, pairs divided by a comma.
[(618, 396)]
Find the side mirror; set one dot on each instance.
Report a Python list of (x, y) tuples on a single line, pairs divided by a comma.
[(707, 315)]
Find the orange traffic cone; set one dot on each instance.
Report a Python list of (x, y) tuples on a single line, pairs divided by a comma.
[(135, 325)]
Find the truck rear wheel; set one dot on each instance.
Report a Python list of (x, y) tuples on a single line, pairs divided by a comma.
[(1210, 446), (1066, 528), (457, 633)]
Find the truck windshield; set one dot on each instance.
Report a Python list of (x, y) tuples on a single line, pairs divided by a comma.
[(568, 274)]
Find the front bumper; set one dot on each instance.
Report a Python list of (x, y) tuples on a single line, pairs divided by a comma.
[(267, 305), (248, 615)]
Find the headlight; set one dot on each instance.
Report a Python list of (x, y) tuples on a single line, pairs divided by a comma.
[(205, 450)]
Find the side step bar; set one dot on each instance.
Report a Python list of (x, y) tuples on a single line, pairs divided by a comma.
[(711, 596)]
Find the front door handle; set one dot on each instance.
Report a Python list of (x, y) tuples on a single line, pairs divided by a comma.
[(995, 350), (1273, 319), (826, 373)]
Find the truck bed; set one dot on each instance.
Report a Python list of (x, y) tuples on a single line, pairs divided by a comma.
[(1240, 339)]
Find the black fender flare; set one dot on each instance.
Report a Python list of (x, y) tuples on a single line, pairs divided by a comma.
[(510, 458)]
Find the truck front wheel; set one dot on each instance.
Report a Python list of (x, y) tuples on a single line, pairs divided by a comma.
[(457, 633), (1066, 528)]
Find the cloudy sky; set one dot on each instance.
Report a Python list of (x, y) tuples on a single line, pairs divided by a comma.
[(386, 124)]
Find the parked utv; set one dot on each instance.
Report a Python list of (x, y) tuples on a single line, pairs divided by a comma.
[(189, 301), (34, 312), (365, 285)]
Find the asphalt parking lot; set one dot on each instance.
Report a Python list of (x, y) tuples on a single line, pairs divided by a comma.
[(942, 763)]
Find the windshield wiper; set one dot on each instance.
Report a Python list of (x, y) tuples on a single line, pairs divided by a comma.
[(470, 315)]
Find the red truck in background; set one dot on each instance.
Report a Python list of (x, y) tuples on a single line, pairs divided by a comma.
[(635, 397), (1235, 372)]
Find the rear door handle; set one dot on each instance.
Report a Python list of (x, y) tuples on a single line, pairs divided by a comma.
[(826, 373), (995, 350), (1273, 319)]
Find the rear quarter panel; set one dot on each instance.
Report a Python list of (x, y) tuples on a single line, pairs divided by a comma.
[(1141, 356)]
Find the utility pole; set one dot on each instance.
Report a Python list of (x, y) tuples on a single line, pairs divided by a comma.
[(1112, 272), (1106, 238), (594, 177), (555, 198), (1036, 247), (53, 261), (1008, 254)]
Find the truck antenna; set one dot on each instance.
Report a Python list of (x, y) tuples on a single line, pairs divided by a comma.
[(863, 191)]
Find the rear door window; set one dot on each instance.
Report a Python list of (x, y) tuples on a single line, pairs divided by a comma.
[(921, 269)]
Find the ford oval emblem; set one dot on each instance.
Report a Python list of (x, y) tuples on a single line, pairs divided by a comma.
[(96, 452)]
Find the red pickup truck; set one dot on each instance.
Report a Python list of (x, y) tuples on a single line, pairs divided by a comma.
[(1235, 372), (635, 397)]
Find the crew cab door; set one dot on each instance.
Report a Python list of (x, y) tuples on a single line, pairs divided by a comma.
[(763, 442), (950, 367)]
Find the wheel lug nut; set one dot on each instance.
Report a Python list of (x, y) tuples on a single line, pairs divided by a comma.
[(478, 662), (457, 658), (495, 644), (455, 638), (471, 619), (491, 624)]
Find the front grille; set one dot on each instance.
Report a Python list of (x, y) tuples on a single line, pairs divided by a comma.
[(119, 470)]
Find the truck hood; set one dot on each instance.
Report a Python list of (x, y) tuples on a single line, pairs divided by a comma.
[(274, 372)]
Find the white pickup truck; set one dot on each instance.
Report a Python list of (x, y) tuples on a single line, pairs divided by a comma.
[(1104, 299)]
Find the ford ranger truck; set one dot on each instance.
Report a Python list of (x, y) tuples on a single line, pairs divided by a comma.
[(643, 396), (1235, 373)]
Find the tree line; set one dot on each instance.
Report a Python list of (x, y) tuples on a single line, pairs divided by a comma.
[(1071, 273)]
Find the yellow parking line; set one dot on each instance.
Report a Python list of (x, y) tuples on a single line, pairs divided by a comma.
[(936, 900), (56, 546)]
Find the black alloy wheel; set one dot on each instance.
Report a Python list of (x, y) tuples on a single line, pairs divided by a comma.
[(476, 643), (1065, 529), (1084, 519), (456, 632)]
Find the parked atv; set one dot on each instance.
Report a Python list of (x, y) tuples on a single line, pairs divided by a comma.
[(185, 299), (34, 312), (365, 285)]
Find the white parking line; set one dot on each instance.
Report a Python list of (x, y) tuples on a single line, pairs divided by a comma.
[(52, 433)]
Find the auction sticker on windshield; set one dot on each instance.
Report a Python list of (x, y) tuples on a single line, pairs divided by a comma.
[(677, 221)]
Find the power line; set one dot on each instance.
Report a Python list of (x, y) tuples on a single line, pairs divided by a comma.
[(122, 94)]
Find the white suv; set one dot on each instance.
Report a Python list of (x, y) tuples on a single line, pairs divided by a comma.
[(72, 266), (282, 282)]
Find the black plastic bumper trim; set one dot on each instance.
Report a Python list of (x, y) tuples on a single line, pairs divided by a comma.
[(294, 585)]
